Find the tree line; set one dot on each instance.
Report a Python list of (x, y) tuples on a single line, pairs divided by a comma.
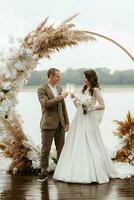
[(76, 76)]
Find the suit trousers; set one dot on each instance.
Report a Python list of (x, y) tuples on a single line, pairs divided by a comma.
[(47, 136)]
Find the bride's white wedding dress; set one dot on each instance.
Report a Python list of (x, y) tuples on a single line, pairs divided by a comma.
[(84, 158)]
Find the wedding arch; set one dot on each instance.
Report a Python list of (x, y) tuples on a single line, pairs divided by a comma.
[(15, 71)]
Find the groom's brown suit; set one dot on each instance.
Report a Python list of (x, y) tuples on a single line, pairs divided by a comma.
[(53, 121)]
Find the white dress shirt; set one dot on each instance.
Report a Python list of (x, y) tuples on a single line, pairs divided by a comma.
[(53, 89)]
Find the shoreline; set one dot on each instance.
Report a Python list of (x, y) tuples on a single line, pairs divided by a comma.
[(104, 88)]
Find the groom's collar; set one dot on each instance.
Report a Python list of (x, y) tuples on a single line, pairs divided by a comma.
[(51, 86), (48, 90)]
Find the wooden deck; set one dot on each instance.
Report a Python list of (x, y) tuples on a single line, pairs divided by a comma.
[(28, 188)]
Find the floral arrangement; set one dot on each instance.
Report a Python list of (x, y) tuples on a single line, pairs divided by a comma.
[(125, 131), (15, 69), (84, 100)]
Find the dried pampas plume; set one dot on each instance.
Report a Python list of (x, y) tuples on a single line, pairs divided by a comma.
[(125, 131), (45, 39)]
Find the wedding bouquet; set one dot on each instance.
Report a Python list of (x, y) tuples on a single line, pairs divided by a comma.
[(84, 100)]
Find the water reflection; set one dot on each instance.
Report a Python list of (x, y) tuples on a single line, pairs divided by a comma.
[(27, 187)]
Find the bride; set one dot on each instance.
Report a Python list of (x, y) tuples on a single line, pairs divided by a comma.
[(84, 158)]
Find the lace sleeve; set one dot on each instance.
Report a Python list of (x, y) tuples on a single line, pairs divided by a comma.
[(99, 98)]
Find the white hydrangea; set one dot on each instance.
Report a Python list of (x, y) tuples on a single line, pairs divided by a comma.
[(6, 85), (20, 65), (13, 73), (7, 103), (8, 73), (34, 156), (3, 111), (84, 99), (29, 52), (22, 52), (35, 57), (26, 52)]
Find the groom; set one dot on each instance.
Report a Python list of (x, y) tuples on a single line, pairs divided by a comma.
[(54, 121)]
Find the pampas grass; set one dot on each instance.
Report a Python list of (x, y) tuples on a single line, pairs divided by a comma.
[(125, 131), (47, 39)]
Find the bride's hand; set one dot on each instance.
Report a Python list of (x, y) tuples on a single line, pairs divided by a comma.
[(85, 108)]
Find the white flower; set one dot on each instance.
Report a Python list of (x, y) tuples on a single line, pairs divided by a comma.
[(20, 65), (34, 156), (7, 103), (3, 70), (35, 57), (13, 74), (7, 75), (84, 99), (31, 155), (22, 52), (29, 52), (6, 85), (26, 52), (3, 111)]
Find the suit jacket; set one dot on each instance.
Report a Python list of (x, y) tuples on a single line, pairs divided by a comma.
[(53, 108)]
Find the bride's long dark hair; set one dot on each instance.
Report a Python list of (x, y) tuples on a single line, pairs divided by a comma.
[(91, 76)]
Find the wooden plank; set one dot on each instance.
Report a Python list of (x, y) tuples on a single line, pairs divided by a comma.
[(27, 187)]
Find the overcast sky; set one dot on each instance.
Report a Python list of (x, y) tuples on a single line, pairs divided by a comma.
[(113, 18)]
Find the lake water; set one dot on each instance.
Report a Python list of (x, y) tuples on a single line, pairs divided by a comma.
[(117, 100)]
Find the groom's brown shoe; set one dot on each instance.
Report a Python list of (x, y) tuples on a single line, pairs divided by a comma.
[(42, 177)]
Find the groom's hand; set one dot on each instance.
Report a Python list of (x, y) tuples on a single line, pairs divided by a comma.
[(66, 127)]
